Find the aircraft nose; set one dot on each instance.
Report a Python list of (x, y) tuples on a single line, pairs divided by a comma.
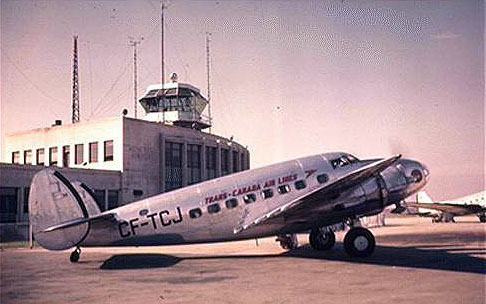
[(416, 172)]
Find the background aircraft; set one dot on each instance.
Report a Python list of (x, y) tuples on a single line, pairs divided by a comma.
[(445, 211), (308, 194)]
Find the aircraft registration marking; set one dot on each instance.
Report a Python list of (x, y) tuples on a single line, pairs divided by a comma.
[(157, 219)]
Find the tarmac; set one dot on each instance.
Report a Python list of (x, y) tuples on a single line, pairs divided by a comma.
[(415, 261)]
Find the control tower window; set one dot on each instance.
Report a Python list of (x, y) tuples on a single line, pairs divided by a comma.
[(108, 150)]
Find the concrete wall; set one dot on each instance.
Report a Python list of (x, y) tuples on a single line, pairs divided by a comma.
[(71, 134)]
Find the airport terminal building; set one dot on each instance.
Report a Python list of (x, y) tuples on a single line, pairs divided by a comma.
[(121, 159)]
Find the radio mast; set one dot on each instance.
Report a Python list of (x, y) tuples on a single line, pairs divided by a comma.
[(208, 68), (134, 42), (75, 95)]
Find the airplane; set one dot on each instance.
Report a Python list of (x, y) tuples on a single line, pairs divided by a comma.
[(445, 211), (309, 194)]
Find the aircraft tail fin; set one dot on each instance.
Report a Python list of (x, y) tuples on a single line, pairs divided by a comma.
[(53, 200)]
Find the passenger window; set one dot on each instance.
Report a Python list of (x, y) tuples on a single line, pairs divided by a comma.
[(300, 184), (283, 189), (195, 213), (322, 178), (214, 208), (249, 198), (231, 203), (267, 193)]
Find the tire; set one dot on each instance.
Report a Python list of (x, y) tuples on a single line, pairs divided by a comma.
[(320, 240), (74, 257), (359, 242), (482, 218)]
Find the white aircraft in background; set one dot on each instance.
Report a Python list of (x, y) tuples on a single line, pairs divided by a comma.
[(309, 194), (445, 211)]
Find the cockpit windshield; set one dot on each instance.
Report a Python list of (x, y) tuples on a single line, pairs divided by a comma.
[(343, 161)]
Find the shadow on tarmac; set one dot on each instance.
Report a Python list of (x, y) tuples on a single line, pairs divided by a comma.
[(427, 257)]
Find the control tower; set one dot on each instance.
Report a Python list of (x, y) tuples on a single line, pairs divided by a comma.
[(176, 103)]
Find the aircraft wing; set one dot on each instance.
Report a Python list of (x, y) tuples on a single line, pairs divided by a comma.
[(459, 209), (78, 221), (309, 199)]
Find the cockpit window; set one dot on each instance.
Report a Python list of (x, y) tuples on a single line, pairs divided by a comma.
[(343, 161)]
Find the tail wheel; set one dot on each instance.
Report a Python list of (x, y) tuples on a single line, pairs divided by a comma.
[(359, 242), (320, 239), (75, 255)]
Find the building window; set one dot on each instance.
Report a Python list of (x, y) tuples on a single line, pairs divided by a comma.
[(249, 198), (112, 199), (242, 162), (65, 156), (235, 161), (78, 154), (282, 189), (173, 166), (40, 156), (214, 208), (28, 157), (300, 184), (211, 162), (16, 157), (195, 213), (93, 152), (108, 150), (267, 193), (8, 204), (193, 164), (322, 178), (224, 162), (99, 196), (231, 203), (53, 156), (26, 199), (137, 192)]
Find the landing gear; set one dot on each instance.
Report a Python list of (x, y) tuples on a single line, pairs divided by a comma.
[(322, 239), (359, 242), (75, 255), (288, 241), (482, 218)]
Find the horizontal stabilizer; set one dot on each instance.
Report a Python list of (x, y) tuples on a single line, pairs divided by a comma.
[(80, 221)]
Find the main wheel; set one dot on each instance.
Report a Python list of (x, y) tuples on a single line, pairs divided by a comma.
[(482, 218), (359, 242), (322, 240), (75, 255)]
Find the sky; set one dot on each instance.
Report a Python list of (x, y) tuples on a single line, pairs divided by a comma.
[(288, 78)]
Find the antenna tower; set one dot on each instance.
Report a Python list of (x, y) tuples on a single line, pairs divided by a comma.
[(75, 94), (208, 68), (134, 42), (163, 6)]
